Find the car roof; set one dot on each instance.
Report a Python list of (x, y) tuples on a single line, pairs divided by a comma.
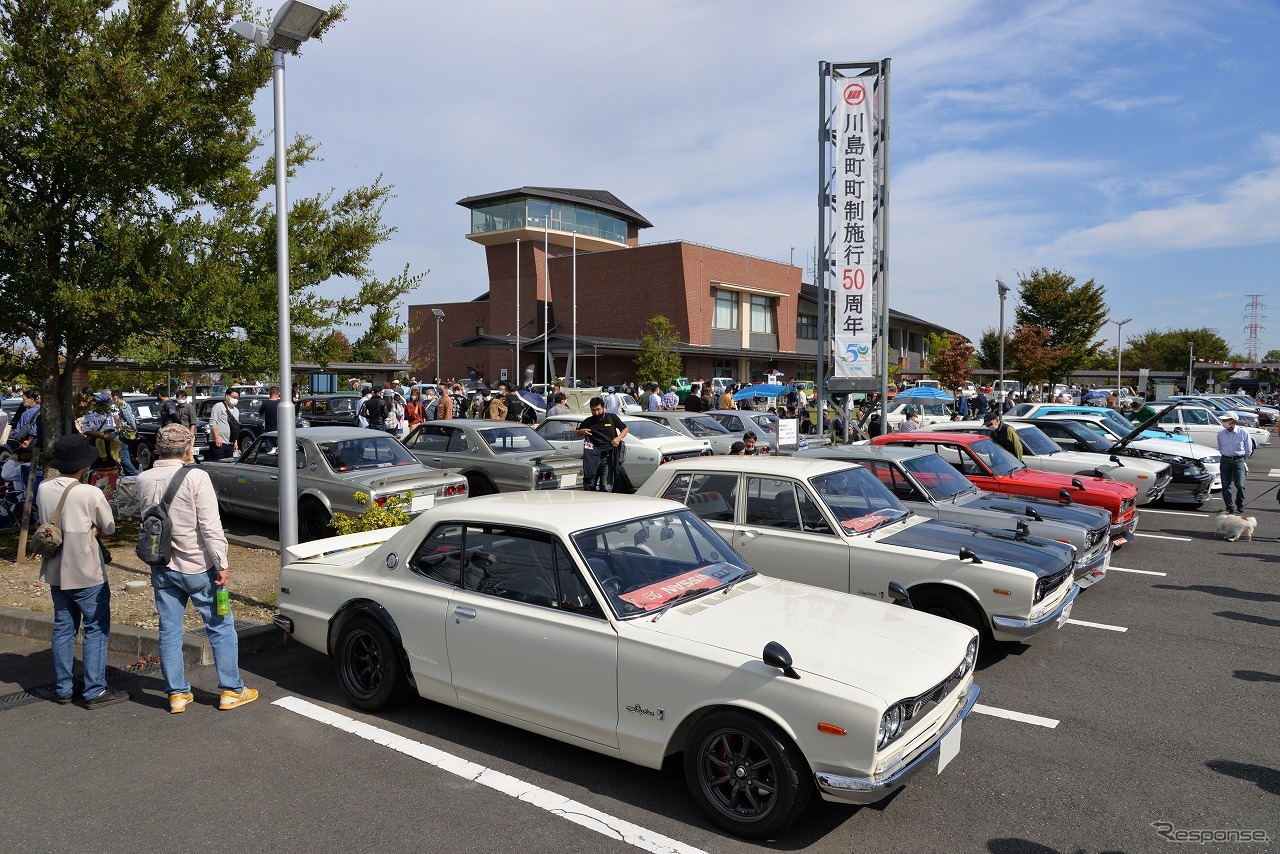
[(864, 452), (579, 416), (562, 511), (760, 464), (478, 423), (335, 434), (933, 436)]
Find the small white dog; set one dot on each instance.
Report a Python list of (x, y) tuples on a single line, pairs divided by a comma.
[(1233, 527)]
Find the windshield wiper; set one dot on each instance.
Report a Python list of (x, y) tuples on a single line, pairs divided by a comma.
[(679, 597)]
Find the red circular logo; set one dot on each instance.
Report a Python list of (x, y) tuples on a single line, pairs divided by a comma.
[(854, 94)]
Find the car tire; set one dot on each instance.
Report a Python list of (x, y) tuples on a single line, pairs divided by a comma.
[(953, 606), (479, 484), (146, 456), (746, 774), (244, 440), (314, 521), (368, 665)]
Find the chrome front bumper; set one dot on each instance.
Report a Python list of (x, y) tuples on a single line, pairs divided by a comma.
[(1091, 572), (1026, 628), (1124, 531), (864, 790)]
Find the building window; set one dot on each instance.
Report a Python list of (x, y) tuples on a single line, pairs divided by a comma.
[(726, 316), (762, 314), (724, 367), (807, 326), (479, 330)]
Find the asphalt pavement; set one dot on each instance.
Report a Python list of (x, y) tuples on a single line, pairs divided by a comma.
[(1151, 717)]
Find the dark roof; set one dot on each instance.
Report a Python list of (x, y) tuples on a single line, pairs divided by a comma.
[(601, 199)]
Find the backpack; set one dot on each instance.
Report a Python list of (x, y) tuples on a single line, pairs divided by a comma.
[(155, 531), (47, 539)]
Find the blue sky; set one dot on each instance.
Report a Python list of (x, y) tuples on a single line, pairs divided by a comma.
[(1135, 142)]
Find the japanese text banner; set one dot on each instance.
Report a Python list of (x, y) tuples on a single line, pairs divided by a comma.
[(853, 222)]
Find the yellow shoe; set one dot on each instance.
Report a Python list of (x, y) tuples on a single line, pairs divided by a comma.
[(178, 702), (232, 699)]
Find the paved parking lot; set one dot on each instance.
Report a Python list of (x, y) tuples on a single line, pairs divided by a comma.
[(1151, 716)]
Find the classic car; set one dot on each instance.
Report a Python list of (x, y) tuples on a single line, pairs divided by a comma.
[(334, 465), (834, 525), (994, 469), (1191, 481), (696, 425), (494, 456), (931, 488), (763, 424), (1119, 424), (931, 411), (1168, 449), (329, 410), (248, 413), (1201, 423), (1248, 416), (1149, 477), (1239, 400), (648, 443), (143, 448), (627, 626)]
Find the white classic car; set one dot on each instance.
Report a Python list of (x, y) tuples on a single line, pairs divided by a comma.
[(835, 525), (648, 443), (627, 626)]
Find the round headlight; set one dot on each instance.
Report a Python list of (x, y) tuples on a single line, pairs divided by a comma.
[(970, 655), (890, 725)]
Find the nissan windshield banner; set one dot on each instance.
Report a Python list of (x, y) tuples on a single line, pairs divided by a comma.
[(852, 226)]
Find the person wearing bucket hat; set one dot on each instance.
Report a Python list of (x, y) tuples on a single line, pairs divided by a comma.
[(1236, 446), (75, 573)]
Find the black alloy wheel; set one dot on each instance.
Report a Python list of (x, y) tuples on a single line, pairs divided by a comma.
[(368, 664), (314, 520), (146, 456), (745, 774)]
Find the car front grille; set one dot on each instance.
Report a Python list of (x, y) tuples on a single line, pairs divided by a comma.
[(1049, 583), (919, 706)]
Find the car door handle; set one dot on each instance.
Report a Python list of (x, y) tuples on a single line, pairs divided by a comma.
[(275, 477), (461, 614), (436, 459), (750, 532)]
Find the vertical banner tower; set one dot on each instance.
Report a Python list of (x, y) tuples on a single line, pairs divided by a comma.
[(853, 229)]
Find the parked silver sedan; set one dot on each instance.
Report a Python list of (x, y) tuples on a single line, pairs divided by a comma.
[(494, 456), (334, 464), (648, 443), (763, 424), (696, 425)]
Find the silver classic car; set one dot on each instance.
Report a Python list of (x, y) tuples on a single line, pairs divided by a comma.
[(648, 443), (696, 425), (835, 525), (627, 626), (494, 456), (334, 464)]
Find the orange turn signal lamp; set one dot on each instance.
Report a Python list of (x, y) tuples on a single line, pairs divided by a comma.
[(831, 729)]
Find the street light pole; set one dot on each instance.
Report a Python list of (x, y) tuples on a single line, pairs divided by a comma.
[(294, 23), (439, 317), (1120, 349), (1003, 289)]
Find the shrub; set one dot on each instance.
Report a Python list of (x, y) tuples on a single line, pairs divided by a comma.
[(391, 514)]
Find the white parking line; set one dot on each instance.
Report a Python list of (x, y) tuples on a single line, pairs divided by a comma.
[(1138, 571), (1160, 537), (1098, 626), (580, 814), (1145, 511), (1015, 716), (1274, 473)]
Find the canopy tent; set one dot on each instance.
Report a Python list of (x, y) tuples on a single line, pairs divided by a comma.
[(924, 393), (769, 390)]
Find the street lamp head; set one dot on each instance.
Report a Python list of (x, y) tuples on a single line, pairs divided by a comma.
[(438, 313), (1002, 288), (294, 23)]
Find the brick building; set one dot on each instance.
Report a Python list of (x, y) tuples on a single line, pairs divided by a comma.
[(736, 315)]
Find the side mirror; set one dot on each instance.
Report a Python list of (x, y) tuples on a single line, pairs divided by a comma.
[(969, 554), (1064, 496), (1116, 460), (1077, 483), (776, 655), (899, 595), (1023, 529), (1033, 513)]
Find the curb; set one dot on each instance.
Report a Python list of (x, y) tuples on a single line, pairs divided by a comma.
[(145, 642)]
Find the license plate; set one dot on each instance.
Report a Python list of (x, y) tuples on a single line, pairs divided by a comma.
[(568, 480), (950, 746), (1119, 541), (1065, 615), (421, 502)]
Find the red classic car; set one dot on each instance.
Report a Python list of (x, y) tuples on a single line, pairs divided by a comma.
[(994, 469)]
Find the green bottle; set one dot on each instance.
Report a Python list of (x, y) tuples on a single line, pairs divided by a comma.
[(224, 601)]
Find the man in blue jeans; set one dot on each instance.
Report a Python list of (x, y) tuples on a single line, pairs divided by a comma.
[(1236, 446), (75, 574), (197, 568)]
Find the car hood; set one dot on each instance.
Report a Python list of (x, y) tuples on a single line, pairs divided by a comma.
[(1034, 554), (1051, 480), (1194, 450), (1083, 515), (1091, 460), (848, 639)]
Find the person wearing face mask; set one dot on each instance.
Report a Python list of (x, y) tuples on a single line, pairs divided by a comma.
[(224, 427)]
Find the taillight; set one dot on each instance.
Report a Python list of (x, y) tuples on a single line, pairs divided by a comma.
[(451, 490), (666, 458), (545, 475)]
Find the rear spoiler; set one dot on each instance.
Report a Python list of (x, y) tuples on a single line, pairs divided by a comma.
[(335, 545)]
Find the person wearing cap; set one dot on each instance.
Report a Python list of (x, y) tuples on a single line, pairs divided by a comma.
[(1002, 434), (76, 575), (1235, 446), (613, 402), (911, 423), (197, 567)]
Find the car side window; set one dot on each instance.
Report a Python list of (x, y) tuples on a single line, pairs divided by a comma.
[(429, 438), (713, 496), (810, 516), (678, 489), (511, 564), (1170, 417), (457, 440), (1195, 416), (772, 502), (263, 453), (440, 555), (574, 595), (321, 406), (341, 405), (557, 431)]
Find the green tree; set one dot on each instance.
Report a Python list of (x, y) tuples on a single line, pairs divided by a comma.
[(988, 354), (950, 359), (1171, 350), (1071, 314), (657, 361), (1031, 356)]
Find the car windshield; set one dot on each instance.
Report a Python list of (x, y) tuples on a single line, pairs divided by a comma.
[(1034, 440), (937, 477), (1022, 409), (996, 458), (1094, 441), (514, 440), (858, 500), (766, 421), (1118, 422), (702, 425), (646, 564), (643, 428), (365, 452)]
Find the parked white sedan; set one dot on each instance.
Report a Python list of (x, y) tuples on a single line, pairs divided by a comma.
[(1203, 426), (627, 626), (835, 525), (648, 443)]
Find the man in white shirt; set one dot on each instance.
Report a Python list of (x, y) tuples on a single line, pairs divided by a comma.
[(76, 575), (613, 402), (197, 568)]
